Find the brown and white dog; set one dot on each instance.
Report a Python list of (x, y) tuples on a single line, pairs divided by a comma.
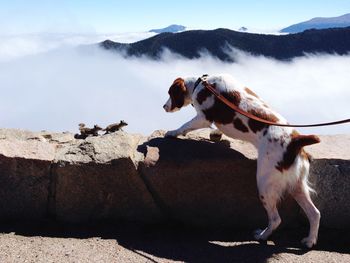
[(282, 163)]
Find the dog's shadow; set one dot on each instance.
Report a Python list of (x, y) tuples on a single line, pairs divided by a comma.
[(195, 245), (229, 245), (184, 149)]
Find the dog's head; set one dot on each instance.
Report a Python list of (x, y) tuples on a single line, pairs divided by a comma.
[(178, 96)]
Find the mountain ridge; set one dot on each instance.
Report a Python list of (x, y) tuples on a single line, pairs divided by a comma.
[(319, 23), (191, 43)]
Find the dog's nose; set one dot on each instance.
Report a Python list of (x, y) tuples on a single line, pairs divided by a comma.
[(166, 107)]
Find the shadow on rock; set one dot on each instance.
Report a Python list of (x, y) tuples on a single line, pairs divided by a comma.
[(201, 183), (185, 150)]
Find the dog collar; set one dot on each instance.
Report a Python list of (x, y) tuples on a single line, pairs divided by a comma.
[(199, 80)]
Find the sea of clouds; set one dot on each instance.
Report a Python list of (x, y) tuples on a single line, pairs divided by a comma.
[(52, 83)]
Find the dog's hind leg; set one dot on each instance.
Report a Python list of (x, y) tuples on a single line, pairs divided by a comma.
[(269, 196), (301, 194)]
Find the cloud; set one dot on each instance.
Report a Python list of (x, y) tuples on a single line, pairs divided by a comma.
[(16, 46), (57, 89)]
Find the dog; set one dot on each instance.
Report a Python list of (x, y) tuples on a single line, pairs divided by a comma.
[(282, 165)]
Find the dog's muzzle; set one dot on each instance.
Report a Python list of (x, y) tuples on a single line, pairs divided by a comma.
[(166, 107)]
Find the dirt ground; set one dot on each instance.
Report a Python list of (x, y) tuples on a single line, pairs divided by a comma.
[(49, 242)]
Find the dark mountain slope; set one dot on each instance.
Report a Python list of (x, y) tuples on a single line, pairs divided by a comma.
[(283, 47)]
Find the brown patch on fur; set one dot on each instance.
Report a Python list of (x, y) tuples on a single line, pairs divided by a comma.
[(256, 126), (203, 95), (250, 92), (263, 115), (177, 93), (220, 112), (234, 95), (238, 124), (262, 197), (294, 148)]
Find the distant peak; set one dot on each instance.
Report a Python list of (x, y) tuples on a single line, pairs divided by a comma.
[(338, 19), (319, 23), (169, 29)]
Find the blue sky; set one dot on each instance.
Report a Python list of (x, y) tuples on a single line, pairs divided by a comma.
[(104, 16)]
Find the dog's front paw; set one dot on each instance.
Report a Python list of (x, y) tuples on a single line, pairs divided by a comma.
[(171, 134)]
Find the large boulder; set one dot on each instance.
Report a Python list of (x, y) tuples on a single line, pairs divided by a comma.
[(97, 179)]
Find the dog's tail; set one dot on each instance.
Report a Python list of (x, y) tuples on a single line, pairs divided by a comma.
[(300, 141), (294, 148)]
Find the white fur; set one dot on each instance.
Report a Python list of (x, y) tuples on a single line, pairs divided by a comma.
[(271, 182)]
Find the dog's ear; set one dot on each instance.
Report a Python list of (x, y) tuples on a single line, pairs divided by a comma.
[(180, 84), (177, 93)]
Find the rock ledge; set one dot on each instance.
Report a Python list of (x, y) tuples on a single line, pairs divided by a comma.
[(129, 177)]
